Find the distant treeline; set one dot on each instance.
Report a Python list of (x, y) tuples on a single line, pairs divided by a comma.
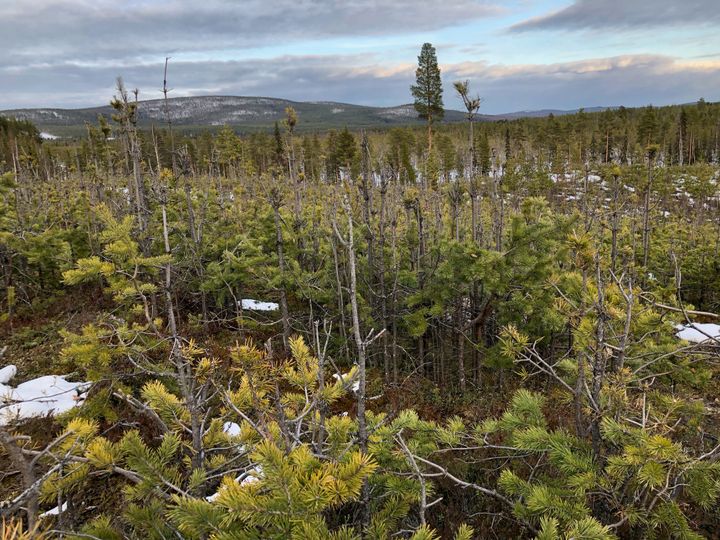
[(679, 135), (17, 138)]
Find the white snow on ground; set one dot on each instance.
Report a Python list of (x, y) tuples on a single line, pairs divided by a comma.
[(231, 428), (249, 477), (257, 305), (698, 332), (48, 136), (54, 511), (50, 394), (7, 373), (252, 476), (345, 378)]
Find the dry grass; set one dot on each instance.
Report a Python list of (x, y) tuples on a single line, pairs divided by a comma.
[(15, 530)]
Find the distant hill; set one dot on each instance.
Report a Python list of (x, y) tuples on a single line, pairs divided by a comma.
[(547, 112), (247, 114)]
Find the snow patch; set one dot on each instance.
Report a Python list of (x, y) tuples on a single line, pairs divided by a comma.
[(55, 511), (47, 395), (231, 428), (48, 136), (7, 373), (355, 387), (255, 474), (698, 332), (257, 305)]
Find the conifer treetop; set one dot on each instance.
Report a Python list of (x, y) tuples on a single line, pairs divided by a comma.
[(427, 89)]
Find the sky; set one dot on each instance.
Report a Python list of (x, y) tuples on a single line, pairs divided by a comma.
[(517, 54)]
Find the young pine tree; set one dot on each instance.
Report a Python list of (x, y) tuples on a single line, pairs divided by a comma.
[(472, 104)]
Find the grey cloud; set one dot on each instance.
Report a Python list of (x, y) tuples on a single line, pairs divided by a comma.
[(95, 30), (313, 78), (631, 80), (626, 80), (626, 14)]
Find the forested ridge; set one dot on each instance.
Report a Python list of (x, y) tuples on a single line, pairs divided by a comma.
[(481, 330)]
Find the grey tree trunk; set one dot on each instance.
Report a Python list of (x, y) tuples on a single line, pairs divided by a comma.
[(279, 243), (361, 345)]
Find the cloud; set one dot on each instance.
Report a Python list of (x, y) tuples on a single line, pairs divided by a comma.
[(68, 52), (625, 14), (659, 65), (97, 30), (349, 78), (631, 80)]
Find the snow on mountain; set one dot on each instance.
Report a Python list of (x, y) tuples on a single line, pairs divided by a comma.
[(247, 112)]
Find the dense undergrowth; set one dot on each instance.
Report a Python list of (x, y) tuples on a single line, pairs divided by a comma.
[(474, 341)]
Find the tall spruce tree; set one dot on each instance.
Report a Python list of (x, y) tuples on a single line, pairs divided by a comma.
[(427, 89)]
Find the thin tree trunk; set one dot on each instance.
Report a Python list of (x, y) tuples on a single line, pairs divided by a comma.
[(383, 289), (279, 243), (646, 216), (600, 360), (361, 345)]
